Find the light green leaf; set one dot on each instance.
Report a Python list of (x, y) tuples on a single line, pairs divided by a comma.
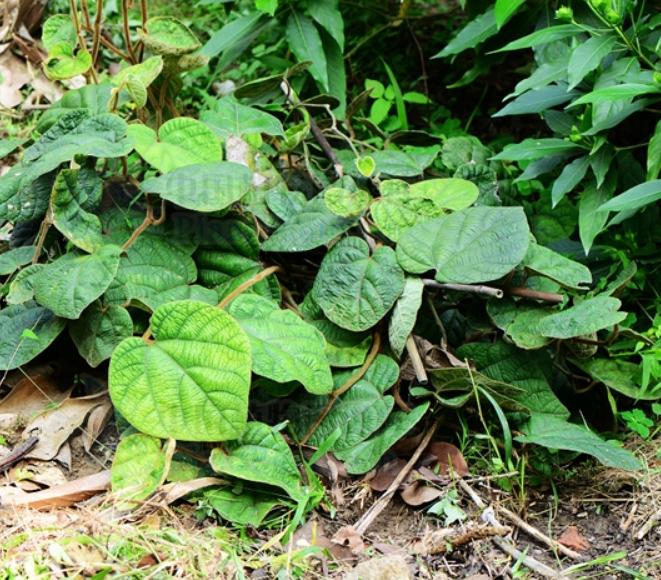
[(505, 9), (404, 314), (542, 36), (537, 101), (9, 144), (635, 198), (232, 34), (12, 260), (474, 33), (72, 282), (616, 93), (619, 375), (345, 202), (136, 78), (328, 16), (591, 220), (343, 348), (61, 65), (168, 36), (99, 330), (229, 117), (180, 142), (555, 266), (530, 149), (362, 457), (569, 178), (312, 227), (402, 163), (138, 469), (284, 347), (262, 455), (556, 433), (588, 55), (58, 30), (202, 187), (305, 43), (191, 382), (654, 154), (589, 316), (356, 290), (73, 190), (268, 6), (520, 322), (20, 288), (475, 245), (243, 508), (365, 165)]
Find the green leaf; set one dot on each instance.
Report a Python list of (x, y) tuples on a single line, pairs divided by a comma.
[(556, 433), (619, 375), (328, 16), (74, 190), (343, 348), (337, 76), (401, 163), (591, 220), (284, 347), (616, 93), (474, 33), (20, 288), (99, 330), (635, 198), (587, 57), (356, 290), (179, 142), (530, 149), (58, 30), (93, 98), (232, 34), (136, 78), (61, 65), (571, 175), (537, 101), (654, 154), (365, 165), (138, 469), (474, 245), (529, 371), (555, 266), (15, 350), (520, 322), (542, 36), (268, 6), (192, 382), (460, 151), (305, 43), (72, 282), (9, 144), (262, 455), (205, 187), (12, 260), (229, 117), (505, 9), (345, 202), (312, 227), (168, 36), (364, 456), (243, 508), (589, 316), (404, 314), (285, 204)]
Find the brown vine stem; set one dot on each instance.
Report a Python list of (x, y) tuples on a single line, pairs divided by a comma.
[(484, 290), (41, 236), (376, 345), (73, 4), (416, 360), (247, 284), (127, 31), (149, 221), (535, 294), (96, 35)]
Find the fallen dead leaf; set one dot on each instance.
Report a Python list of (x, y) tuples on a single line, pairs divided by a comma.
[(312, 533), (573, 539), (96, 423), (448, 455), (171, 492), (349, 537), (15, 75), (393, 567), (417, 493), (386, 474)]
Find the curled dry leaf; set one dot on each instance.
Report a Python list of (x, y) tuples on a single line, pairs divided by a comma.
[(449, 458), (96, 422), (384, 475), (171, 492), (348, 536), (417, 493), (573, 539)]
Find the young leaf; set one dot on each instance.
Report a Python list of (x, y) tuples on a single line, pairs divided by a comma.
[(243, 508), (262, 455), (588, 56), (72, 282), (635, 198), (284, 347), (404, 314), (555, 266), (346, 203), (192, 382), (305, 43), (268, 6), (356, 290), (15, 350), (589, 316), (168, 36), (505, 9), (474, 245)]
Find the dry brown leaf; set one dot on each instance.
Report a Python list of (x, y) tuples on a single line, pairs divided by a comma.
[(96, 423), (573, 539), (417, 493), (44, 474), (448, 455), (394, 567), (176, 490), (386, 474), (59, 496), (15, 75), (349, 537), (312, 533), (31, 394)]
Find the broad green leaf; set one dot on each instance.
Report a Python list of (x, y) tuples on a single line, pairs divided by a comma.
[(229, 117), (183, 292), (346, 203), (589, 316), (179, 142), (474, 33), (616, 93), (14, 259), (312, 227), (72, 282), (329, 17), (542, 36), (285, 204), (542, 76), (20, 288), (138, 469), (15, 348), (564, 271), (262, 455), (99, 330), (62, 64), (73, 190), (243, 507), (9, 144), (619, 375), (587, 57), (168, 36), (529, 371), (520, 322), (404, 314), (530, 149), (556, 433), (474, 245), (284, 347), (460, 151), (591, 220), (403, 163), (305, 42), (654, 154), (232, 34), (268, 6), (343, 348), (364, 456), (268, 288), (358, 413), (191, 382), (205, 187), (505, 9), (635, 198), (356, 290), (58, 30), (537, 101), (570, 176)]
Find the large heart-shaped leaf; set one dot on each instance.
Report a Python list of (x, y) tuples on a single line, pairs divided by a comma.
[(474, 245), (343, 347), (243, 507), (262, 455), (179, 142), (585, 318), (284, 347), (203, 187), (72, 282), (555, 266), (192, 382), (229, 117), (520, 322), (619, 375), (356, 290), (405, 314)]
